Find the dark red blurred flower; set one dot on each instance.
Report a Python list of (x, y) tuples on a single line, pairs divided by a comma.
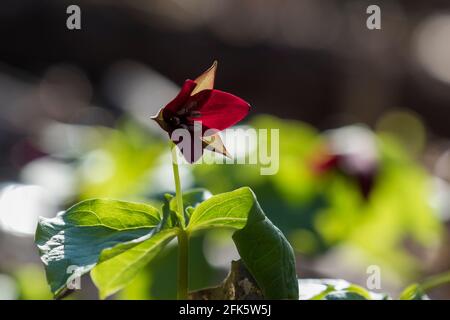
[(354, 166), (198, 103)]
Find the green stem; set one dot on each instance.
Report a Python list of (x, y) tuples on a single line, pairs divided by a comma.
[(182, 235), (178, 194), (183, 250)]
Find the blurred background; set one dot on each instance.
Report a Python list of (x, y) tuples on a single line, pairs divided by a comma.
[(363, 117)]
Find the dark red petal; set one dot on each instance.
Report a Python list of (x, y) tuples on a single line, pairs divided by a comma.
[(182, 97), (218, 110), (324, 163)]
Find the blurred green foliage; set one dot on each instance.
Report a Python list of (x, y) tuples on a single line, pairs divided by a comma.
[(32, 283), (319, 212), (119, 168)]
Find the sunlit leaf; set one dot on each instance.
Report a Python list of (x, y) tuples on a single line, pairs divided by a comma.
[(70, 243), (413, 292), (117, 239), (191, 199), (335, 289), (344, 295), (263, 248), (119, 265)]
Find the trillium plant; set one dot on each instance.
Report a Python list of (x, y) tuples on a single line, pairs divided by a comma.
[(114, 239)]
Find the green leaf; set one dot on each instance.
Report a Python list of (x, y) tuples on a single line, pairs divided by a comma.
[(263, 248), (191, 199), (230, 209), (70, 243), (317, 289), (335, 289), (418, 291), (413, 292), (344, 295), (115, 239), (117, 266)]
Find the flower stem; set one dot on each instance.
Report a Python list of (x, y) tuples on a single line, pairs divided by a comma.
[(183, 250), (178, 194), (182, 235)]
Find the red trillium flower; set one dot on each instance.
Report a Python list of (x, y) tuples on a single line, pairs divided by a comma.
[(199, 105), (351, 151), (351, 166)]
